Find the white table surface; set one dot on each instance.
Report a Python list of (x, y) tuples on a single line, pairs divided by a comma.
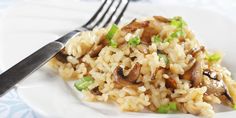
[(11, 106)]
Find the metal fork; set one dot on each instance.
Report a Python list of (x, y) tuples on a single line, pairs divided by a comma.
[(33, 62)]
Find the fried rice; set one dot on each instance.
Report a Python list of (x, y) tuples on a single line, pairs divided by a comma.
[(147, 64)]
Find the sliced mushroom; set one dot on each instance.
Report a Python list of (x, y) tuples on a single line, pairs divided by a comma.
[(130, 79), (195, 51), (95, 51), (98, 47), (62, 57), (216, 86), (148, 31), (134, 25), (194, 74), (147, 34), (210, 74), (171, 84), (96, 91), (134, 73), (161, 19)]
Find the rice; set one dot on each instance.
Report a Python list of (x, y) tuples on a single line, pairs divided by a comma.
[(171, 68)]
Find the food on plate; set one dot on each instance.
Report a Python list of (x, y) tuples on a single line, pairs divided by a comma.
[(154, 63)]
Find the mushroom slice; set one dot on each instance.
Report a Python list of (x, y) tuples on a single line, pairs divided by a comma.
[(148, 31), (96, 50), (134, 25), (216, 86), (194, 51), (161, 19), (62, 57), (130, 79), (210, 74), (171, 84), (194, 74), (134, 73), (96, 91), (147, 34), (98, 47)]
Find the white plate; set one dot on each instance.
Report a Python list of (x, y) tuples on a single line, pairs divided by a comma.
[(31, 24)]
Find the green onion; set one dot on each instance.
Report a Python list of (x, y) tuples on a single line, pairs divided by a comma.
[(112, 31), (112, 43), (174, 35), (178, 22), (156, 39), (167, 108), (215, 57), (234, 107), (169, 39), (83, 83), (177, 34), (164, 57), (173, 106), (163, 109), (110, 35), (134, 41)]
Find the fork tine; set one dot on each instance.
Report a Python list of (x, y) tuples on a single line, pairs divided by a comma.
[(96, 14), (90, 25), (112, 15), (122, 12), (103, 16)]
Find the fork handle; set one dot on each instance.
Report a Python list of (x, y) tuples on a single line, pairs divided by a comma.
[(28, 65), (31, 63)]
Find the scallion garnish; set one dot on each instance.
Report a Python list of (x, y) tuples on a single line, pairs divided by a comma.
[(112, 31), (176, 34), (167, 108), (178, 22), (156, 39), (234, 107), (134, 41), (173, 106), (113, 43), (83, 83), (164, 57), (163, 109), (215, 57), (110, 35)]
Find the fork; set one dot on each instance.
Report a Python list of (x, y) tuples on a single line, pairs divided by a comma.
[(21, 70)]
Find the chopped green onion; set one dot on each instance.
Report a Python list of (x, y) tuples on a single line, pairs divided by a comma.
[(173, 106), (234, 107), (163, 109), (178, 22), (113, 43), (174, 35), (112, 31), (83, 83), (164, 57), (134, 41), (177, 34), (215, 57), (156, 39), (169, 39), (167, 108), (181, 33), (110, 35)]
